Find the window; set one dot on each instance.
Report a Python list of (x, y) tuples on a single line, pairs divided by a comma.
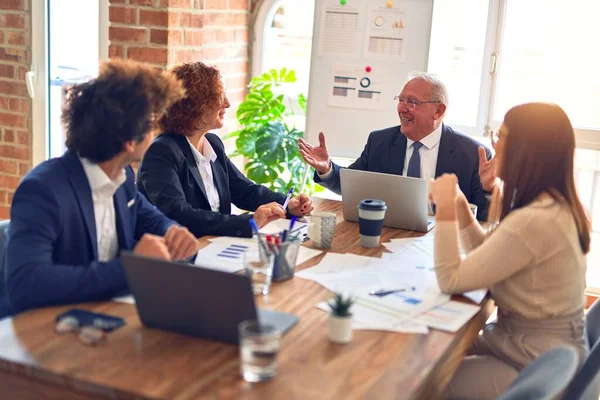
[(545, 55), (496, 54), (61, 58), (456, 54), (517, 51), (284, 40)]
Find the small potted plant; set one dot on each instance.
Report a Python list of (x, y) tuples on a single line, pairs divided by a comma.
[(340, 318)]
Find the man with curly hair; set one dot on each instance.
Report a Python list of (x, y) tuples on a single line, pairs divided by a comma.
[(72, 215)]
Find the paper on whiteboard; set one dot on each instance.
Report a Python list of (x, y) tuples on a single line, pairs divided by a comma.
[(387, 30), (340, 30), (353, 87)]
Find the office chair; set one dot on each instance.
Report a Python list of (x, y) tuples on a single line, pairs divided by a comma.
[(545, 377), (586, 383)]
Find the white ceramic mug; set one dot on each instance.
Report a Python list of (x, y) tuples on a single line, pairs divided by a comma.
[(322, 228)]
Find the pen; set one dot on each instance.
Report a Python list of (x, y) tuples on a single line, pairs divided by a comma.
[(292, 222), (260, 239), (384, 292), (287, 198)]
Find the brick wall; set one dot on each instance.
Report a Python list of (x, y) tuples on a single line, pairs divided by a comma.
[(160, 32), (170, 32), (15, 104)]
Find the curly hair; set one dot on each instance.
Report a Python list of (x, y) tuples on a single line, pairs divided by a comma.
[(204, 95), (119, 106)]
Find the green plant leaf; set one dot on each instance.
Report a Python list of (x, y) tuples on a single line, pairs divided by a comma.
[(246, 142), (269, 147), (302, 102), (231, 135)]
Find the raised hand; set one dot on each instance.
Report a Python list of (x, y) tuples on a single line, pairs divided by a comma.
[(316, 157), (443, 193), (487, 173), (443, 190)]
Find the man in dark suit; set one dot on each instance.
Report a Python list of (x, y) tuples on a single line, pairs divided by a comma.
[(71, 216), (421, 147)]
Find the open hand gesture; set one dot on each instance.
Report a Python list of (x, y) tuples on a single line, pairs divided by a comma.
[(316, 157), (487, 172)]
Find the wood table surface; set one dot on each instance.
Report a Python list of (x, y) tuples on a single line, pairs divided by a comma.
[(139, 362)]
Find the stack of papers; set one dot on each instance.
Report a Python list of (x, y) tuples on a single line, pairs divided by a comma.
[(419, 251), (225, 253), (418, 305)]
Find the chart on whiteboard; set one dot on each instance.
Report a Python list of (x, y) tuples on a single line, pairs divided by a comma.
[(352, 87), (387, 32), (339, 30)]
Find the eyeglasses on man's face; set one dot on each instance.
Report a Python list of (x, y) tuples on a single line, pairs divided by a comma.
[(411, 104)]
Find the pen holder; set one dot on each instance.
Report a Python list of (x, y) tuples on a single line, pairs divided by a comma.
[(285, 258)]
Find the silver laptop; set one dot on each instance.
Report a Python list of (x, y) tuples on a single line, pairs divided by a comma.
[(195, 301), (406, 198)]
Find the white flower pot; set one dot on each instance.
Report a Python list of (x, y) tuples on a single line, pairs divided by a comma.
[(340, 328)]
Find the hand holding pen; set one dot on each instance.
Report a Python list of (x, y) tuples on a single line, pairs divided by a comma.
[(300, 205)]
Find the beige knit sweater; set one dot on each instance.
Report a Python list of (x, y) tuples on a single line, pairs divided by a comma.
[(532, 262)]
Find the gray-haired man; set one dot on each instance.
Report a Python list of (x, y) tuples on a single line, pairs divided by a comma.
[(422, 146)]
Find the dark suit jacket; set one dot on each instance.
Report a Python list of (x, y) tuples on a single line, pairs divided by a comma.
[(169, 177), (386, 149), (51, 250)]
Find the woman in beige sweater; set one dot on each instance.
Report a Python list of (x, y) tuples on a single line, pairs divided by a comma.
[(534, 259)]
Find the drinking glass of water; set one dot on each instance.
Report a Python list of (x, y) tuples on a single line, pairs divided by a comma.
[(259, 345), (258, 266)]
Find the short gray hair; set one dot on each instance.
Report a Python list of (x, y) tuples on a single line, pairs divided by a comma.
[(440, 92)]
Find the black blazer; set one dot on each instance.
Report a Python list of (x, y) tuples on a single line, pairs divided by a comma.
[(386, 149), (169, 177)]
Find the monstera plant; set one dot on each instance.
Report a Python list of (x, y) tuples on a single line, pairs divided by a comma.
[(268, 138)]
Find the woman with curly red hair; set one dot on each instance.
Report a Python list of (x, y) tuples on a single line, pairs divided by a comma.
[(187, 174)]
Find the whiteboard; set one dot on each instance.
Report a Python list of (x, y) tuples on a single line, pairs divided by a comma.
[(362, 53)]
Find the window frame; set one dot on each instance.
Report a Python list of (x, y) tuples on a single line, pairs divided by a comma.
[(40, 143), (265, 13)]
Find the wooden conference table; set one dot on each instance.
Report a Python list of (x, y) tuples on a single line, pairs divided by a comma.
[(138, 362)]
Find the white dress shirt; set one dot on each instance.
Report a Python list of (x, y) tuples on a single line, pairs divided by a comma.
[(203, 161), (428, 152), (103, 190)]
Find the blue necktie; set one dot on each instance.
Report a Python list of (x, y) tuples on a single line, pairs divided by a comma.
[(414, 165)]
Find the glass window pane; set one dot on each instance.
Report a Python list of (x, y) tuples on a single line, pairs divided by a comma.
[(456, 54), (288, 40), (549, 53), (73, 57)]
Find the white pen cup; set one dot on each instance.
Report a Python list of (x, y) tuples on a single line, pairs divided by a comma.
[(371, 213)]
